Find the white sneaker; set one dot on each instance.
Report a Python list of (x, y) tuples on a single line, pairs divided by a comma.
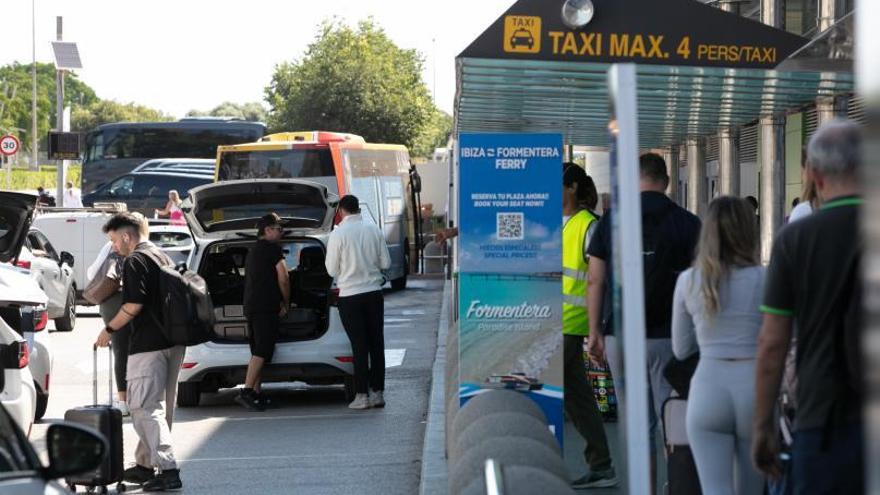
[(122, 406), (360, 402), (377, 399)]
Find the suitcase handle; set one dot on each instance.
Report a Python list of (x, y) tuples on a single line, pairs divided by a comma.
[(95, 373)]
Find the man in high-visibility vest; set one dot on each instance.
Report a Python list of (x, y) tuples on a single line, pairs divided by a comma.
[(578, 199)]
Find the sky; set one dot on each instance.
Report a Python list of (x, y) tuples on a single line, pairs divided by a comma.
[(181, 55)]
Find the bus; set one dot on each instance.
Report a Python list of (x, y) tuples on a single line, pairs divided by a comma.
[(115, 149), (378, 174)]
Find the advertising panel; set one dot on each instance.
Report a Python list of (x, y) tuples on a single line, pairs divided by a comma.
[(510, 259)]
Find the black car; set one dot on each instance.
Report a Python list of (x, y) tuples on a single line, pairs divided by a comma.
[(144, 191)]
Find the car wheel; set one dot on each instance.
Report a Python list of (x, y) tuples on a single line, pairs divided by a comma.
[(189, 394), (348, 382), (68, 321), (42, 404)]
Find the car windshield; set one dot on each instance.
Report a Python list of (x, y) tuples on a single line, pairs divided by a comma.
[(170, 239)]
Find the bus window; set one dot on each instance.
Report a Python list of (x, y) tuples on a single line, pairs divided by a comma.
[(392, 191), (296, 163)]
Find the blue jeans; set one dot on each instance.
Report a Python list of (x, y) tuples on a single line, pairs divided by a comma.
[(839, 468)]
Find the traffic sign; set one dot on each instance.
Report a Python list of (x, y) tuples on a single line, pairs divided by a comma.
[(9, 145)]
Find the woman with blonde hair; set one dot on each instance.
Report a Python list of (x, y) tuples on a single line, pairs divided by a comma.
[(172, 209), (715, 312)]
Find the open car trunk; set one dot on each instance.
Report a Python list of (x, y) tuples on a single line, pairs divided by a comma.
[(224, 272)]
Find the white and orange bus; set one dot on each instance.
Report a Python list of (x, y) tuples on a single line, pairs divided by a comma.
[(378, 174)]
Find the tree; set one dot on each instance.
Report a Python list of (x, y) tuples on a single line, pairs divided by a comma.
[(253, 111), (106, 111), (15, 99), (352, 80), (435, 134)]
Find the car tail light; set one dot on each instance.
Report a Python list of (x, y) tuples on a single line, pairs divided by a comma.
[(46, 387), (345, 359), (23, 264), (41, 320), (187, 366), (334, 296), (14, 355)]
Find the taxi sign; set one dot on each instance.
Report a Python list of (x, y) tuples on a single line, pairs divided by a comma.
[(9, 145), (671, 32)]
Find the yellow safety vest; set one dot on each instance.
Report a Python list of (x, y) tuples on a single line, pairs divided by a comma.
[(574, 274)]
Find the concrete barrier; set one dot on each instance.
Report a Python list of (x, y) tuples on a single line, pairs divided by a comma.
[(491, 402), (504, 425), (516, 451), (523, 480)]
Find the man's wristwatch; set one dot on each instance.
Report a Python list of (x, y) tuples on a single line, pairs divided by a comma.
[(108, 329)]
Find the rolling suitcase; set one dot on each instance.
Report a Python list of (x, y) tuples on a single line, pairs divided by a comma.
[(681, 472), (107, 420)]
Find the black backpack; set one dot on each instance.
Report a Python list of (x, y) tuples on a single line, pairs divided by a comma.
[(187, 311)]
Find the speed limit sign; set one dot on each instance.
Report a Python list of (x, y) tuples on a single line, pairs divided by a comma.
[(9, 145)]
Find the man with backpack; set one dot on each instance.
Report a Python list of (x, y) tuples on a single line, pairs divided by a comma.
[(813, 283), (154, 360), (669, 238)]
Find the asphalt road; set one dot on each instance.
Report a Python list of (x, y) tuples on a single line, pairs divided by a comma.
[(309, 442)]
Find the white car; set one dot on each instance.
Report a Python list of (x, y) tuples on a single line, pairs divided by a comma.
[(34, 321), (71, 450), (173, 240), (17, 289), (313, 346), (54, 272)]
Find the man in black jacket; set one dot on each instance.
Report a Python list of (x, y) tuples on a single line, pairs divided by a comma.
[(669, 238)]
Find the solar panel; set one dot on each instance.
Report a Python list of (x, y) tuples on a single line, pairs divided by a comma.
[(66, 55)]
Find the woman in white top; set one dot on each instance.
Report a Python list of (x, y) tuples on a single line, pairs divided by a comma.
[(172, 209), (715, 312)]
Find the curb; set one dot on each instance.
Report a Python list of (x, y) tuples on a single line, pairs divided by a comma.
[(434, 476)]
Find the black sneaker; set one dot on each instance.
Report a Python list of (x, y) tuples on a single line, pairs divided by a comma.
[(138, 474), (164, 481), (597, 479), (263, 400), (248, 399)]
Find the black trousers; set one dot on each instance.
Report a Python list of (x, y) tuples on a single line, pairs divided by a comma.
[(363, 316), (580, 404)]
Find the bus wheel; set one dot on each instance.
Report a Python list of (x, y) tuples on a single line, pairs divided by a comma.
[(400, 283)]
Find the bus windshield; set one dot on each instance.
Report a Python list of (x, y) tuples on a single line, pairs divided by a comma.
[(276, 164)]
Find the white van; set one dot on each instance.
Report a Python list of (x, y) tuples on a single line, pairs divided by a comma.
[(77, 231)]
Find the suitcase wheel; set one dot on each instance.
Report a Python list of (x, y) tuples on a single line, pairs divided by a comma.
[(120, 487)]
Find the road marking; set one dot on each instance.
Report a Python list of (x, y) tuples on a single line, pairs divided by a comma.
[(224, 419), (306, 456), (394, 357)]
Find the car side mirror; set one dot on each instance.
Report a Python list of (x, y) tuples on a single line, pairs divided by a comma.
[(72, 450), (66, 258)]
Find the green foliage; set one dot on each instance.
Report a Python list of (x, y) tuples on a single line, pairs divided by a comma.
[(435, 134), (253, 111), (23, 179), (15, 99), (352, 80), (85, 119)]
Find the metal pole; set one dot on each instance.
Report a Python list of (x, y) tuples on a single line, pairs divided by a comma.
[(35, 142), (728, 161), (627, 233), (696, 165), (828, 108), (729, 6), (670, 155), (771, 13), (59, 120), (867, 72), (827, 14), (772, 197)]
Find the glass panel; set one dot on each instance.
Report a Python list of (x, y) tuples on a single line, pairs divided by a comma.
[(284, 164), (122, 187)]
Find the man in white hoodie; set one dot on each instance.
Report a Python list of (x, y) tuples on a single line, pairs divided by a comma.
[(356, 256)]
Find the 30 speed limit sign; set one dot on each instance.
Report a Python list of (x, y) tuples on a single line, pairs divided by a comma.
[(9, 145)]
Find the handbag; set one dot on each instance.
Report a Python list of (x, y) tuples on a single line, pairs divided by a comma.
[(106, 281)]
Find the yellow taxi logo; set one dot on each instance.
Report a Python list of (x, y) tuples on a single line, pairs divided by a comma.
[(522, 34)]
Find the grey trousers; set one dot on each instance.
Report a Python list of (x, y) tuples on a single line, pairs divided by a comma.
[(658, 352), (719, 426), (152, 389)]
